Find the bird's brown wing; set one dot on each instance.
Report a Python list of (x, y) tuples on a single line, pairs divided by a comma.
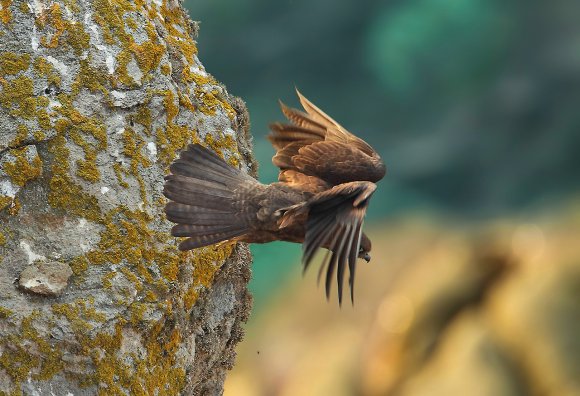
[(290, 175), (334, 131), (334, 221), (337, 163), (317, 146), (304, 129), (302, 182)]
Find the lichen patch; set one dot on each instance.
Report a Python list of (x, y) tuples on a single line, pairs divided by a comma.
[(103, 95)]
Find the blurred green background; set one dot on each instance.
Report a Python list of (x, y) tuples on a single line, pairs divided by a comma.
[(473, 105)]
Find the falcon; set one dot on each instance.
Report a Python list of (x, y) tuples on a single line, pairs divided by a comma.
[(327, 177)]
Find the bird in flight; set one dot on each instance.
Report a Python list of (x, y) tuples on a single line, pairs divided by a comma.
[(327, 176)]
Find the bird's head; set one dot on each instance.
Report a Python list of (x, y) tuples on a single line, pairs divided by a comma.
[(365, 248)]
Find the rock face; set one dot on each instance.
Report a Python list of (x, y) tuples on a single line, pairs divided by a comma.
[(96, 99), (46, 278)]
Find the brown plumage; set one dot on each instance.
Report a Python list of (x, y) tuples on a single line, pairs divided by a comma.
[(326, 179)]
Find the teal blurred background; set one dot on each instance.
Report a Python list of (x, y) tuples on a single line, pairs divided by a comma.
[(473, 104)]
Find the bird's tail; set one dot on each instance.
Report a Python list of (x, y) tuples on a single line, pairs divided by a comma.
[(205, 198)]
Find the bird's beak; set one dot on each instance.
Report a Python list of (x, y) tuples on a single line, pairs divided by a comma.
[(367, 257)]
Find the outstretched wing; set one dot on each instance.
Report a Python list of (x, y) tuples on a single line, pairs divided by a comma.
[(334, 131), (335, 219), (317, 146)]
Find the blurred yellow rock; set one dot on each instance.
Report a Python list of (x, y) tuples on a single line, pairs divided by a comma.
[(486, 310)]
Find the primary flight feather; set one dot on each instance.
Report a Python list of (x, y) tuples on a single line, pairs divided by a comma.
[(326, 179)]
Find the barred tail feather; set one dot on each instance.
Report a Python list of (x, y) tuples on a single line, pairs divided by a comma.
[(206, 240), (204, 203), (195, 215)]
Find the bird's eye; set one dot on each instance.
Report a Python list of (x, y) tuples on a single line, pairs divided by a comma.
[(360, 249)]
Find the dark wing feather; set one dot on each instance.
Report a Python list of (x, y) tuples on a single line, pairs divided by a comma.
[(291, 176), (284, 134), (317, 236), (302, 119), (315, 113), (352, 258), (335, 219), (283, 157), (336, 246), (302, 182), (337, 163), (334, 131)]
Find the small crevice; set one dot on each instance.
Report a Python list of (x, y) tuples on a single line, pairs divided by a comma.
[(19, 146)]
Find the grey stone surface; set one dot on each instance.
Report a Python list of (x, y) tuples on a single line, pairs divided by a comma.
[(46, 278), (96, 99)]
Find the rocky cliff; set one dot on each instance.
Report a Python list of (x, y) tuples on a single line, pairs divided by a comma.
[(96, 99)]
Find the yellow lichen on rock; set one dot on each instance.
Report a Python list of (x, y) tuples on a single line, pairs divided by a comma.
[(128, 238), (20, 364), (79, 265), (133, 146), (23, 169), (5, 13), (106, 123), (173, 137), (14, 208), (148, 54), (45, 69), (18, 97), (205, 263), (154, 373), (57, 27), (166, 69), (174, 20), (64, 193), (5, 312), (143, 117), (79, 129), (21, 135), (213, 99), (54, 18), (90, 78), (5, 201), (12, 64)]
